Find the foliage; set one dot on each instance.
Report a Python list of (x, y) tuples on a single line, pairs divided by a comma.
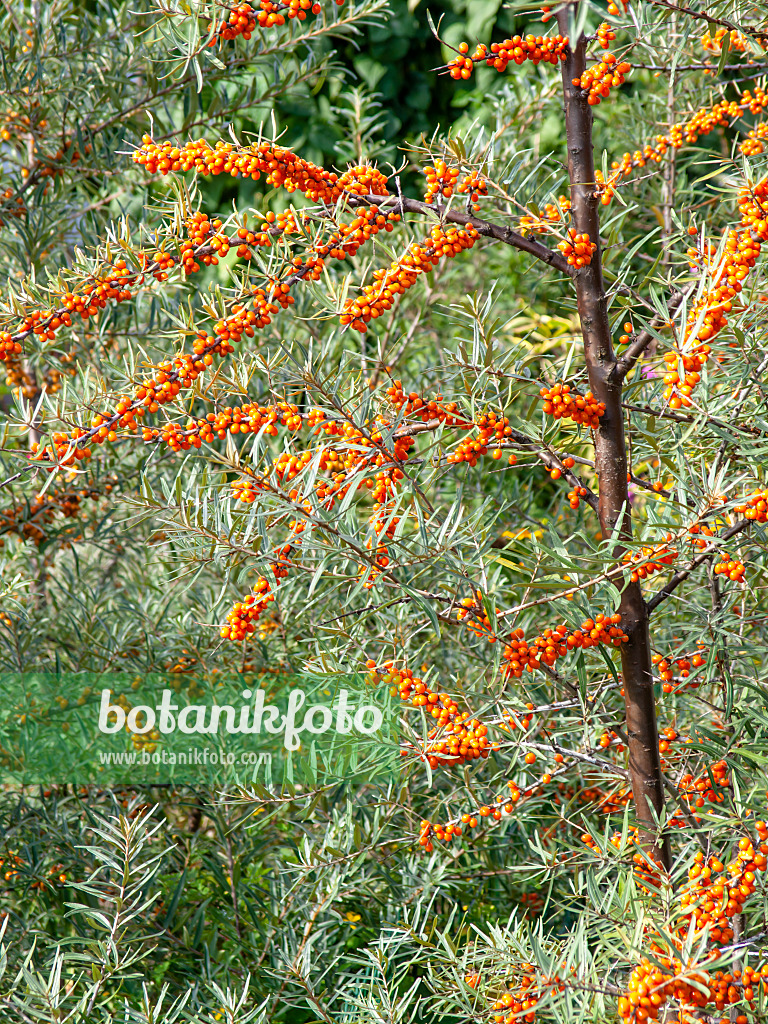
[(505, 457)]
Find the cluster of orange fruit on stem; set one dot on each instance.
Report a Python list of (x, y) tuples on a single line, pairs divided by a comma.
[(755, 507), (704, 121), (520, 1001), (283, 168), (243, 18), (578, 492), (730, 567), (713, 896), (455, 737), (111, 285), (709, 314), (476, 186), (443, 180), (30, 521), (202, 230), (244, 419), (605, 35), (521, 655), (553, 213), (492, 430), (516, 50), (403, 274), (754, 143), (151, 393), (577, 249), (697, 793), (596, 82), (736, 41), (666, 674), (561, 402), (650, 560)]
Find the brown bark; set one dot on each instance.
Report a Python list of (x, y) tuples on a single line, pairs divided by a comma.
[(611, 455)]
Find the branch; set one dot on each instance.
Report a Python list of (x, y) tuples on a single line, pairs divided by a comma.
[(552, 460), (711, 20), (683, 574), (401, 204), (679, 417)]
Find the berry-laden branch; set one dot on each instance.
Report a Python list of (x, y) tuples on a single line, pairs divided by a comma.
[(611, 452), (362, 188), (680, 577)]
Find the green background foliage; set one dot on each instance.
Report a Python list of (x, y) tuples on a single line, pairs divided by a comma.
[(303, 901)]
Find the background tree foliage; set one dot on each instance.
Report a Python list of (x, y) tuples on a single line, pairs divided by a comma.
[(319, 903)]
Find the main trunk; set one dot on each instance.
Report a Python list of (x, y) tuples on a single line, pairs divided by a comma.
[(611, 454)]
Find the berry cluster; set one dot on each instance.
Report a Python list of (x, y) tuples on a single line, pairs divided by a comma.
[(53, 166), (455, 737), (755, 507), (609, 738), (490, 428), (153, 392), (241, 22), (680, 385), (553, 213), (520, 1001), (709, 315), (282, 167), (517, 50), (575, 496), (650, 560), (521, 655), (30, 383), (441, 180), (382, 522), (402, 274), (753, 144), (713, 895), (626, 337), (697, 793), (704, 121), (596, 82), (242, 419), (446, 831), (243, 18), (106, 287), (605, 35), (201, 230), (475, 617), (243, 619), (714, 44), (476, 185), (348, 238), (729, 567), (577, 249), (561, 402)]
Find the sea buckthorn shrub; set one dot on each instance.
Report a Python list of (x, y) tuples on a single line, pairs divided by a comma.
[(484, 427)]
